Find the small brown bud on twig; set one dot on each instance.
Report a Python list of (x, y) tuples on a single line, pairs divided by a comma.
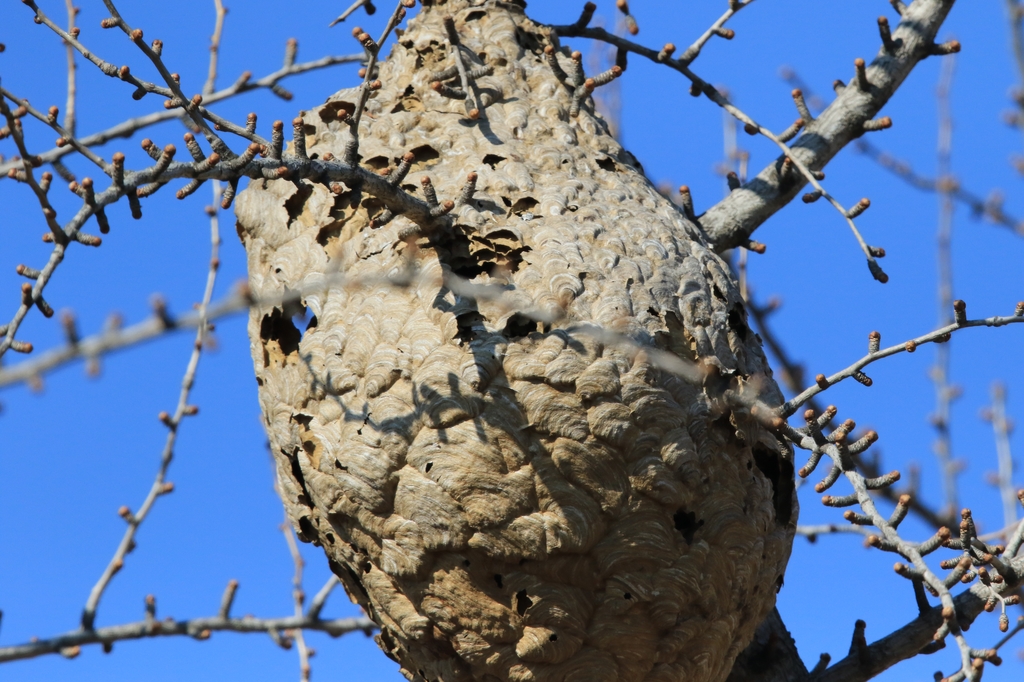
[(755, 246), (791, 132), (862, 378), (960, 311), (862, 75), (874, 341), (686, 201), (886, 35), (443, 208), (877, 124), (631, 24), (858, 208), (801, 106), (84, 239), (949, 47)]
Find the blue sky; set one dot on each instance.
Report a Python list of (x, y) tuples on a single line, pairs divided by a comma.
[(71, 454)]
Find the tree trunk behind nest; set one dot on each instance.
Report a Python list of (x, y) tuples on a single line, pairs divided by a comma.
[(514, 486)]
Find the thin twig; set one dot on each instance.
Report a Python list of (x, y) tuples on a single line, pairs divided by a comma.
[(1009, 635), (160, 485), (299, 597), (944, 391), (368, 4), (1015, 15), (129, 127), (69, 138), (198, 628), (114, 339), (218, 29), (369, 77), (700, 86), (734, 170), (607, 99), (991, 208), (317, 605), (1001, 428), (69, 105), (176, 94), (61, 237), (792, 376), (888, 539), (939, 335), (812, 532)]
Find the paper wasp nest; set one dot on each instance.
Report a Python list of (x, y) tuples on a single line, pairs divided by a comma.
[(514, 499)]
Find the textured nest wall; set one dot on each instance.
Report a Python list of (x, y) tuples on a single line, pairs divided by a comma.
[(512, 500)]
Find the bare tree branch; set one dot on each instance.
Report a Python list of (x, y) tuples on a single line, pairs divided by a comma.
[(299, 597), (945, 392), (160, 485), (365, 4), (1001, 428), (113, 339), (940, 335), (133, 125), (69, 106), (218, 30), (990, 207), (908, 641), (734, 219), (812, 532), (790, 164), (198, 628)]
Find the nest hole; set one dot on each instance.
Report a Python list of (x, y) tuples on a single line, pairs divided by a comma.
[(279, 333), (779, 472), (519, 325), (523, 602), (493, 160), (687, 524)]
